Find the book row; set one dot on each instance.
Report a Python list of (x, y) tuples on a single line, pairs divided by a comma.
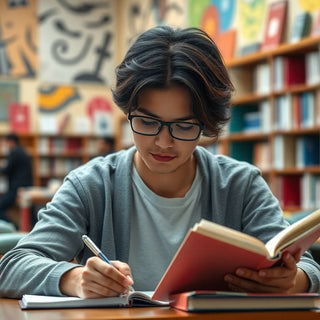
[(291, 111), (250, 118), (286, 72), (301, 191), (296, 151), (295, 111), (286, 152), (58, 167), (59, 145)]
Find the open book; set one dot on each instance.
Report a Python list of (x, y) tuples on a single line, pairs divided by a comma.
[(135, 298), (209, 251)]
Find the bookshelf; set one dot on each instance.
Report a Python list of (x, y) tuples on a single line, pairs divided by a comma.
[(275, 120), (54, 156)]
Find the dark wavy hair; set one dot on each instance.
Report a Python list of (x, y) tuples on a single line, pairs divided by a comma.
[(162, 57)]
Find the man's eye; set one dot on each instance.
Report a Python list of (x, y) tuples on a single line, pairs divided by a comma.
[(149, 122), (185, 126)]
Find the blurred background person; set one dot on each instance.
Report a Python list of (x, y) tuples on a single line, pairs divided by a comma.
[(105, 145), (17, 170)]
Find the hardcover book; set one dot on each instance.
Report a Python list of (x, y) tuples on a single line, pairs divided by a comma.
[(209, 251), (301, 27), (294, 71), (200, 301), (19, 117), (275, 25)]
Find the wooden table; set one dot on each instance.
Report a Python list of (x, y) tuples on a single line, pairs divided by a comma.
[(9, 309)]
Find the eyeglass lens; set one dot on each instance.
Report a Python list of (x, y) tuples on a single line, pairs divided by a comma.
[(179, 130)]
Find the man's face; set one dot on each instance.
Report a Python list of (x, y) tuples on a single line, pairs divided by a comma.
[(163, 154)]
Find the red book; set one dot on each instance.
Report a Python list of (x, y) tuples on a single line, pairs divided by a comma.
[(294, 71), (73, 145), (209, 251), (19, 117), (291, 193), (199, 301), (275, 25)]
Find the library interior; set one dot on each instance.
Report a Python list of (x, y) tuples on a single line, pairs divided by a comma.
[(57, 70)]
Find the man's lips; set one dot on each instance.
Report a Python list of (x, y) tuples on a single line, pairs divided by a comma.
[(162, 158)]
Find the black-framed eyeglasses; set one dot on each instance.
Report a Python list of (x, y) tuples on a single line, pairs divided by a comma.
[(147, 126)]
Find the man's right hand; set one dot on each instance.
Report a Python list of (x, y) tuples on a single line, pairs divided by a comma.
[(97, 279)]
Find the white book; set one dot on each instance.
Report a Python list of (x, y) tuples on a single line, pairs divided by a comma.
[(262, 74), (286, 109), (278, 152), (278, 71), (306, 191), (265, 111), (313, 67), (318, 192), (299, 153)]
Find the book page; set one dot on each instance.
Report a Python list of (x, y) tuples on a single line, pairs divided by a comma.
[(144, 298), (231, 236), (294, 232)]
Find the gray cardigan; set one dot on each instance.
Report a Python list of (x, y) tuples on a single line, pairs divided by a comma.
[(96, 199)]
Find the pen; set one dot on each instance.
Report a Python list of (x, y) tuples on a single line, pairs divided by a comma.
[(93, 247)]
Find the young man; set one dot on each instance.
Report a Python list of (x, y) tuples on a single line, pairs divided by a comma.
[(138, 204), (18, 171)]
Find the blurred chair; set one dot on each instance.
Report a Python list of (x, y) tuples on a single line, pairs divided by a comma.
[(8, 236)]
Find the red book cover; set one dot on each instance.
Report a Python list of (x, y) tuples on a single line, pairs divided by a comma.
[(73, 145), (291, 191), (19, 117), (294, 71), (203, 260), (275, 25)]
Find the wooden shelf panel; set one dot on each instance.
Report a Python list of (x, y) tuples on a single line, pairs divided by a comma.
[(303, 46), (241, 136)]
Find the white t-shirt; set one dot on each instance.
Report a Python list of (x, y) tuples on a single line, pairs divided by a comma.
[(158, 226)]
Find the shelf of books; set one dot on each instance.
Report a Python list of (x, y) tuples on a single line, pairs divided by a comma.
[(53, 157), (275, 119)]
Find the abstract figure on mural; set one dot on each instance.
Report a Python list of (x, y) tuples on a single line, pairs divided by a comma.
[(76, 41), (18, 47)]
